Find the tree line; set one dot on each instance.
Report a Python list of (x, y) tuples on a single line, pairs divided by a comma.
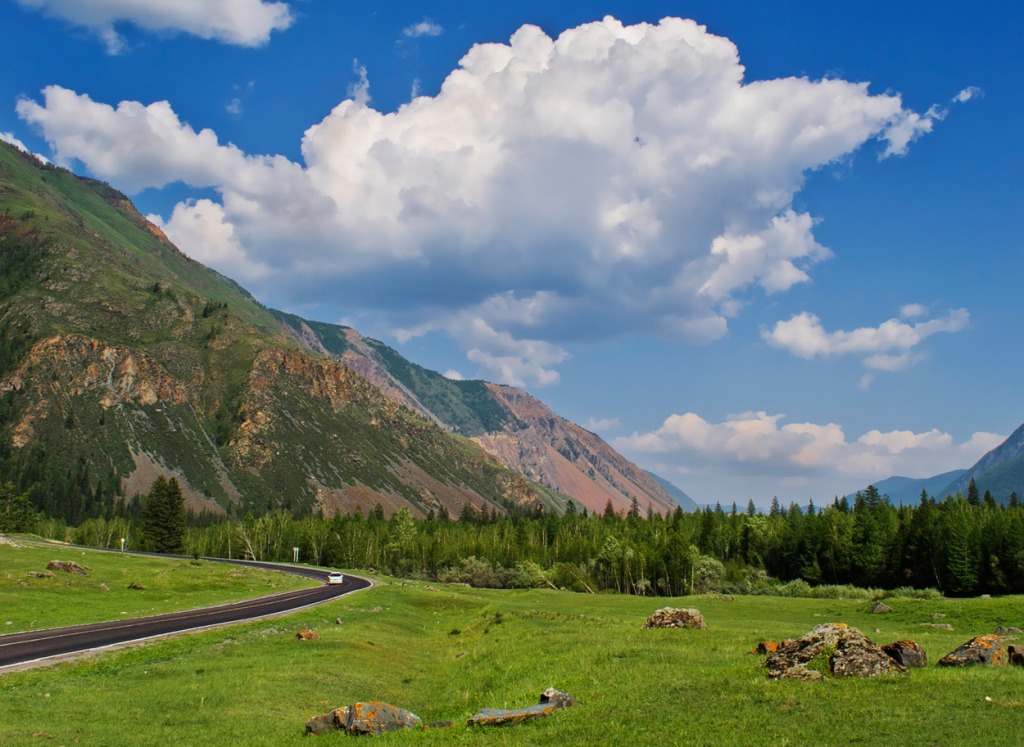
[(962, 545)]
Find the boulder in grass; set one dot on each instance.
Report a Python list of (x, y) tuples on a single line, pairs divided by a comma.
[(307, 635), (68, 566), (370, 717), (670, 617), (908, 653), (880, 608), (832, 649), (1016, 656), (984, 649), (560, 699)]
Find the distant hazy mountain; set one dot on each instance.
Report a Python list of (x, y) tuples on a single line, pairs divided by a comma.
[(686, 502), (1001, 471), (907, 490)]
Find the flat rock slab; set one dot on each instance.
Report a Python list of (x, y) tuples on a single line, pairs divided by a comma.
[(499, 717), (670, 617), (985, 649), (370, 717), (834, 649)]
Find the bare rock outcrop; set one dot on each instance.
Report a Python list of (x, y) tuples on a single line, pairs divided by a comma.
[(671, 617), (983, 649), (832, 649)]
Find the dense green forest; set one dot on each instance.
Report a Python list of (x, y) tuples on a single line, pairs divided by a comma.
[(959, 546)]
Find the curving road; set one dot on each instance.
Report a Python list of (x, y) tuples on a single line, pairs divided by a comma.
[(35, 645)]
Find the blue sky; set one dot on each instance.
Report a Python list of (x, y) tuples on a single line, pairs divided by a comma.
[(764, 249)]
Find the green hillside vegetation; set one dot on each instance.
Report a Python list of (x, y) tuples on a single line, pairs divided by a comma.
[(444, 652), (120, 355)]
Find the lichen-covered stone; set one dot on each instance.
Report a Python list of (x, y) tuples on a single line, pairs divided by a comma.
[(835, 649), (370, 717), (984, 649), (307, 635), (908, 653), (670, 617), (880, 608)]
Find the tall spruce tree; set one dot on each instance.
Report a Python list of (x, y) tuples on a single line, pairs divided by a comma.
[(164, 516)]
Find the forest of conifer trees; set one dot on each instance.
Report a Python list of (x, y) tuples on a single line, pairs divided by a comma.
[(958, 546)]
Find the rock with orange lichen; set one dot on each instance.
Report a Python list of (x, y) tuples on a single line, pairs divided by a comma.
[(834, 649), (369, 717), (984, 649), (908, 653)]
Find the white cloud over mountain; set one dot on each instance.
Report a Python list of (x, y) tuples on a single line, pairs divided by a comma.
[(758, 446), (617, 178), (246, 23), (887, 347)]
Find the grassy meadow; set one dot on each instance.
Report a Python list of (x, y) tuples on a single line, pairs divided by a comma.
[(445, 651), (29, 603)]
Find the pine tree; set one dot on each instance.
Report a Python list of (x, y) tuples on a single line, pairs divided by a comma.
[(164, 516)]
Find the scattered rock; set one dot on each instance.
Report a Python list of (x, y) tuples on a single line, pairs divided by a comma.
[(551, 700), (1016, 656), (68, 566), (377, 609), (370, 717), (835, 649), (307, 635), (938, 615), (1006, 631), (907, 653), (937, 626), (984, 649), (104, 587), (880, 608), (670, 617), (337, 621), (138, 587), (560, 699), (41, 574), (8, 542)]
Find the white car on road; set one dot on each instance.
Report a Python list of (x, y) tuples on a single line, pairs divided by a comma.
[(335, 577)]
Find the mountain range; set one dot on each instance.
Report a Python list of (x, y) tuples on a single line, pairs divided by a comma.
[(121, 359), (1000, 472)]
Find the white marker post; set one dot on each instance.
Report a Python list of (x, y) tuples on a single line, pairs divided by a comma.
[(295, 555), (122, 544)]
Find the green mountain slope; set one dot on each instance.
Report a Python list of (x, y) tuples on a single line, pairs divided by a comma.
[(121, 358), (1000, 471)]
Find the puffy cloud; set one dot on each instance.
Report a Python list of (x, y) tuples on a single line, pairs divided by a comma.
[(426, 27), (616, 178), (912, 310), (968, 94), (597, 425), (757, 446), (246, 23), (887, 347)]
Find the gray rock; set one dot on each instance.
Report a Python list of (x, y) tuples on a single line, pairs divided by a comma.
[(832, 649), (908, 653), (370, 717), (499, 717), (670, 617)]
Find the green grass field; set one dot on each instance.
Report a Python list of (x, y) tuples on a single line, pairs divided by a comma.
[(28, 603), (445, 651)]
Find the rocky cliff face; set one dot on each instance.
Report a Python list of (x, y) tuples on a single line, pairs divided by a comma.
[(517, 428)]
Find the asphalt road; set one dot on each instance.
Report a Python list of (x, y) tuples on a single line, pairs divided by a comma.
[(31, 646)]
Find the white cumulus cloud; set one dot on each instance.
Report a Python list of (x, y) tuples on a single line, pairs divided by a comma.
[(246, 23), (426, 27), (612, 179), (768, 452), (887, 347)]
